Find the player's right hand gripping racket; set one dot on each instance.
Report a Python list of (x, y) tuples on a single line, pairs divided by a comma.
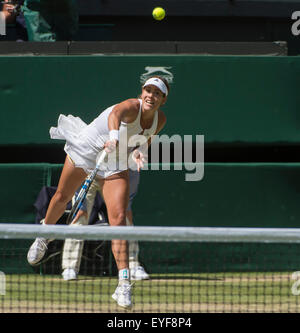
[(84, 189)]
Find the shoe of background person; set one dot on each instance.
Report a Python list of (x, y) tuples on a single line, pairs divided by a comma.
[(138, 273), (122, 295), (69, 274), (37, 251)]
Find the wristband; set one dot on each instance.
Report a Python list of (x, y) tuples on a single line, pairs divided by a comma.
[(114, 135)]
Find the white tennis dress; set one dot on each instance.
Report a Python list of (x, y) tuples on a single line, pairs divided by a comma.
[(85, 141)]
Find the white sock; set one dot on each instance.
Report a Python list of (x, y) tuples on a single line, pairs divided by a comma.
[(133, 264), (47, 241), (124, 275)]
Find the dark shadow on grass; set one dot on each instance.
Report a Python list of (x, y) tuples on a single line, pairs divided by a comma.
[(184, 277)]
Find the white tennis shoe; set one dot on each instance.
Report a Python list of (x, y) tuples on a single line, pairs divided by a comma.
[(37, 251), (122, 295), (69, 274), (138, 273)]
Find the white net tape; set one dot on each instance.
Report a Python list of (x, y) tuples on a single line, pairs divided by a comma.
[(141, 233)]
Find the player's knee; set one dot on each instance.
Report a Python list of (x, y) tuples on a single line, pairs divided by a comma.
[(118, 219)]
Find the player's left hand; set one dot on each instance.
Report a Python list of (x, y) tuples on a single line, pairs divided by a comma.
[(139, 158)]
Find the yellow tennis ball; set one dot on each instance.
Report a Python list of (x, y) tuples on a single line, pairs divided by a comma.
[(158, 13)]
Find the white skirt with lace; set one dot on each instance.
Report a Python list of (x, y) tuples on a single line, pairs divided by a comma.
[(81, 152)]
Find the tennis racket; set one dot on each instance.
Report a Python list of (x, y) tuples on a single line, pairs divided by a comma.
[(84, 189)]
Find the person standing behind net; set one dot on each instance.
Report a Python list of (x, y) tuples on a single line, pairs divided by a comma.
[(118, 130), (73, 248)]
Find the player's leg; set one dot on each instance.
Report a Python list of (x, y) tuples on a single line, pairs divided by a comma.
[(70, 180), (115, 191), (137, 271)]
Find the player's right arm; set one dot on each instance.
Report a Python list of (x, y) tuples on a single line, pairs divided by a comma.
[(125, 111)]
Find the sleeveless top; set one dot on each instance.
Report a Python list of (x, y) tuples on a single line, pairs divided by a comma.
[(97, 132), (84, 142), (131, 135)]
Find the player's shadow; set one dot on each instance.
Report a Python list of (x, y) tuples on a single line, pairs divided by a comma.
[(185, 277)]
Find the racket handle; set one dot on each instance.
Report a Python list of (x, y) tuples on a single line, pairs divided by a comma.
[(101, 158)]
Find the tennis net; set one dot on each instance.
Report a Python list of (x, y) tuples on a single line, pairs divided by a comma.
[(192, 270)]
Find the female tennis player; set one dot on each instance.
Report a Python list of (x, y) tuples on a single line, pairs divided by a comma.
[(118, 126)]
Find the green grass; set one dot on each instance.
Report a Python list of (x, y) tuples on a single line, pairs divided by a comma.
[(214, 292)]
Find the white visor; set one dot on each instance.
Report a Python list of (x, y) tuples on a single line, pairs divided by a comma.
[(155, 81)]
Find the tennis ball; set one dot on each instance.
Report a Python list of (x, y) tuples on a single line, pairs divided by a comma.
[(158, 13)]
